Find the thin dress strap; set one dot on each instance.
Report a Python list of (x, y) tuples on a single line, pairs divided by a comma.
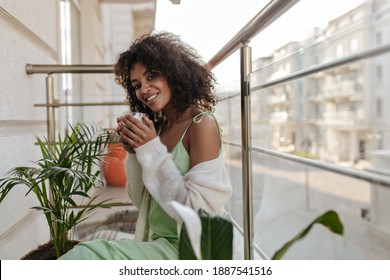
[(197, 119)]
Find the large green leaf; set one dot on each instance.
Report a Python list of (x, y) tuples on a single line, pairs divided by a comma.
[(216, 239), (186, 252), (329, 219)]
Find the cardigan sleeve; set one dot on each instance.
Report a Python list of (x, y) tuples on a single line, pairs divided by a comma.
[(135, 186), (205, 185)]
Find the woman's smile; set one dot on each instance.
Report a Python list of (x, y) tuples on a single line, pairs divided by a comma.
[(150, 98)]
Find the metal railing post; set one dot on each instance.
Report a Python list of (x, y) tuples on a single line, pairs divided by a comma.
[(50, 109), (247, 188), (50, 124)]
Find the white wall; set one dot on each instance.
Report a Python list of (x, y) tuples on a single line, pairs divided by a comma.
[(29, 34)]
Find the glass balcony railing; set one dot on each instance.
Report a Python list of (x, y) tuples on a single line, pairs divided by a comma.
[(315, 112)]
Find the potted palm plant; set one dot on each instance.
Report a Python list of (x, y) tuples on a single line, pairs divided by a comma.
[(62, 180)]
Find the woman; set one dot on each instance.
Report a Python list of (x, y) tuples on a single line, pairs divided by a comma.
[(175, 154)]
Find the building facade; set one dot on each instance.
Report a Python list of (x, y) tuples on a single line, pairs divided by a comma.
[(338, 115)]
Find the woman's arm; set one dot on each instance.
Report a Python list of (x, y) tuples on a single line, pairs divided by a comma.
[(206, 185)]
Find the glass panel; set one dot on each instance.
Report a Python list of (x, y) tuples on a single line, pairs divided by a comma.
[(288, 196), (228, 112), (340, 116)]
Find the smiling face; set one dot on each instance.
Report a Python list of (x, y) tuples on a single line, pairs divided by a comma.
[(150, 87)]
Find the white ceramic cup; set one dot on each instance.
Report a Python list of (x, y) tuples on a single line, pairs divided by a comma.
[(138, 115)]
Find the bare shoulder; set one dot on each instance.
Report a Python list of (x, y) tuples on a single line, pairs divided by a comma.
[(204, 139), (204, 124)]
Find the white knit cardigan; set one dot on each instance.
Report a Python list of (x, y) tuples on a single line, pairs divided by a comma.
[(151, 170)]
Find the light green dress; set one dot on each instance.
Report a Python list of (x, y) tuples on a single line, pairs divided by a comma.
[(165, 240)]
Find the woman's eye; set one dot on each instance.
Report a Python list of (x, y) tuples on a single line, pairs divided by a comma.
[(136, 86), (152, 75)]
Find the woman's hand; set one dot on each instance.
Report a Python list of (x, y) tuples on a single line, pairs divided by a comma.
[(135, 133)]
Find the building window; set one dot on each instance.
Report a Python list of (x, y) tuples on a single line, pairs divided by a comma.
[(353, 45), (379, 108), (379, 73), (339, 50), (380, 142), (378, 38)]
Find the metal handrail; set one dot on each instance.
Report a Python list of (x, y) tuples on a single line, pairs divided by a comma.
[(51, 103), (315, 69), (80, 104), (324, 66), (351, 172), (65, 68), (272, 11)]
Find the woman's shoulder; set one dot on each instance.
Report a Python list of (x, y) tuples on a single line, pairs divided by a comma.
[(204, 130), (203, 140), (204, 121)]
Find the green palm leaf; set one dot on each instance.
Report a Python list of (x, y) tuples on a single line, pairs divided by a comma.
[(65, 172)]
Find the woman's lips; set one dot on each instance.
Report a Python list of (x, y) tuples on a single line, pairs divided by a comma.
[(150, 98)]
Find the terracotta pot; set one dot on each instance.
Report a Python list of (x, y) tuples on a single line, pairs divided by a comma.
[(113, 167)]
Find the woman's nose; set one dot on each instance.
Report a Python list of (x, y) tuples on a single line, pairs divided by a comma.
[(145, 88)]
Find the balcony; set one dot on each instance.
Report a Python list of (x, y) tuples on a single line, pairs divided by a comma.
[(343, 91), (340, 118), (280, 117), (277, 99)]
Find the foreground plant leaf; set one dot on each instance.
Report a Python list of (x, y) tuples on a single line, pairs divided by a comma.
[(329, 219), (217, 237), (189, 248), (204, 236)]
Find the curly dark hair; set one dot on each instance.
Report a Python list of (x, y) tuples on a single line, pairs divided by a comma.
[(191, 82)]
